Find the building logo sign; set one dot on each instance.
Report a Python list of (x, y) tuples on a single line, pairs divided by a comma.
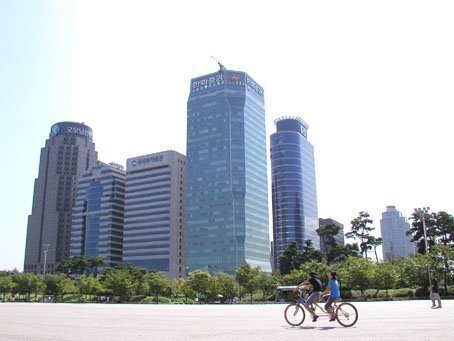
[(147, 160), (80, 131), (54, 130), (254, 86), (235, 77), (65, 128), (204, 82)]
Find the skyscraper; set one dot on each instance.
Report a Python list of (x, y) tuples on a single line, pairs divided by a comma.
[(227, 194), (97, 220), (294, 194), (68, 152), (338, 238), (154, 212), (393, 227)]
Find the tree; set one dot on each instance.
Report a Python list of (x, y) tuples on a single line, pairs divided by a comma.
[(356, 273), (27, 283), (417, 231), (64, 267), (361, 230), (157, 283), (444, 228), (412, 270), (385, 276), (119, 281), (78, 264), (375, 242), (88, 286), (309, 253), (6, 285), (226, 285), (245, 276), (442, 261), (93, 263), (200, 282), (267, 283), (327, 233), (138, 274), (290, 258), (58, 285), (341, 253)]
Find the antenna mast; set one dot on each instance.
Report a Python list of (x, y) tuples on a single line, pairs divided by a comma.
[(221, 66)]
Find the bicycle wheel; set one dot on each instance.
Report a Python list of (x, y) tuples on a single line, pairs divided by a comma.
[(294, 314), (346, 314)]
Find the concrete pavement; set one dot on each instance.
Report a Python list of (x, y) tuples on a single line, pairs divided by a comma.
[(397, 320)]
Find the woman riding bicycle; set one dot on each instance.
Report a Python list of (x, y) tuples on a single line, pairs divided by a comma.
[(317, 289), (333, 290)]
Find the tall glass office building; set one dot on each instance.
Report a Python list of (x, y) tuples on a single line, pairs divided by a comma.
[(97, 220), (393, 227), (227, 195), (294, 194), (154, 212)]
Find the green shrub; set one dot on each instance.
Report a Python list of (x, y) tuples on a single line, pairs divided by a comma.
[(422, 292)]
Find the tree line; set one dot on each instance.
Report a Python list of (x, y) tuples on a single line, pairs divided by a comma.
[(356, 271)]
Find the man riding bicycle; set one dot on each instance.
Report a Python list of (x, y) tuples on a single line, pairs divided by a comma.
[(314, 282)]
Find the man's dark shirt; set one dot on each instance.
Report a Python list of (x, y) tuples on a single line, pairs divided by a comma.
[(435, 285), (316, 284)]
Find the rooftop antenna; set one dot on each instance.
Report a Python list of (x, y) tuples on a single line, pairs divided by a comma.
[(221, 66)]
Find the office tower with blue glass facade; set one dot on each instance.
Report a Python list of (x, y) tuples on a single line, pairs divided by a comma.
[(227, 194), (294, 194), (396, 243), (68, 152), (97, 220), (154, 212)]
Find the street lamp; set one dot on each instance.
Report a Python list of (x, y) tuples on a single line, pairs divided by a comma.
[(45, 250), (421, 212)]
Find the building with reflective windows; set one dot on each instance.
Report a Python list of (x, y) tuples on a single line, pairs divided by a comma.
[(97, 220), (154, 212), (68, 152), (338, 238), (294, 194), (227, 194), (396, 243)]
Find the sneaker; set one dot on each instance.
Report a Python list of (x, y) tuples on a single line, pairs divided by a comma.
[(314, 318), (332, 318), (439, 307), (433, 306)]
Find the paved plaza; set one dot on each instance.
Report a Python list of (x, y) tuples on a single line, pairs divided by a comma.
[(400, 320)]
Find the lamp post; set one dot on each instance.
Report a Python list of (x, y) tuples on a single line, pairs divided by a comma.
[(421, 212), (45, 250)]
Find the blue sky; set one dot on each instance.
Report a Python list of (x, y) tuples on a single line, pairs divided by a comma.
[(374, 81)]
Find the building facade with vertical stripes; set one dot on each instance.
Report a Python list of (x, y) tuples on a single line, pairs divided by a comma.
[(68, 152), (227, 192), (294, 193), (97, 220), (154, 212)]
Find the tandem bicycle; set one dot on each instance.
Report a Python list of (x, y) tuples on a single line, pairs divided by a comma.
[(345, 313)]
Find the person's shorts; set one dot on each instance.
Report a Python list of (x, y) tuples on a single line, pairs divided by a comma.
[(434, 296), (330, 301), (314, 297)]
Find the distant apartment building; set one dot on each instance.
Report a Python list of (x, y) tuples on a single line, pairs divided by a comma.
[(294, 194), (68, 152), (396, 243), (97, 220), (154, 212), (338, 238)]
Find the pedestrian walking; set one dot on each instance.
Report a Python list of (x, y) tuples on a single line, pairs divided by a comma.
[(434, 293)]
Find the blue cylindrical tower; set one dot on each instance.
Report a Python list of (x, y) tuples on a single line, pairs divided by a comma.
[(294, 195)]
